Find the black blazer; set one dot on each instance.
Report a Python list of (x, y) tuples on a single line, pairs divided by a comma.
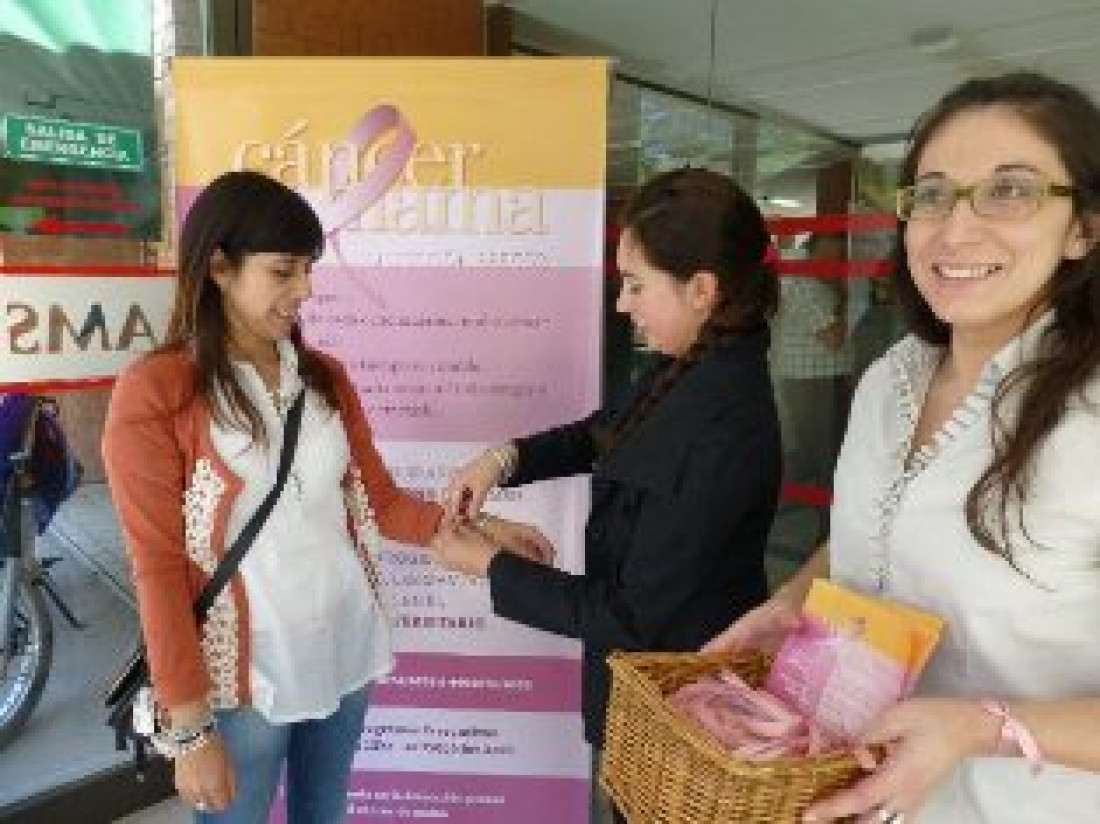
[(681, 509)]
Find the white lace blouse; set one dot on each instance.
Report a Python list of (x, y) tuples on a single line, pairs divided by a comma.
[(899, 528), (317, 631)]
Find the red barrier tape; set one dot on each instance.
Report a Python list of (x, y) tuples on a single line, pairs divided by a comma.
[(848, 222), (806, 494)]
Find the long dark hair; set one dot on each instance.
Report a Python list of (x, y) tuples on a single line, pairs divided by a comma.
[(692, 220), (1069, 121), (239, 214)]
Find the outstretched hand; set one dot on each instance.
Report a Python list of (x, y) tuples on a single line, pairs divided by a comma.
[(205, 778), (460, 547), (924, 738), (468, 547), (469, 487), (522, 539), (763, 628)]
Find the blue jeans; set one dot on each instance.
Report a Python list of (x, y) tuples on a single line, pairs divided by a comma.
[(317, 756)]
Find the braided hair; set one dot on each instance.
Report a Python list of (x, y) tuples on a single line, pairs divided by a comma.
[(693, 220)]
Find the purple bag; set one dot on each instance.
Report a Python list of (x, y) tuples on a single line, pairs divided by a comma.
[(54, 469)]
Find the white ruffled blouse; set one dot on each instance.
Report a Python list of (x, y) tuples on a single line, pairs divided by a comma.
[(317, 629), (898, 527)]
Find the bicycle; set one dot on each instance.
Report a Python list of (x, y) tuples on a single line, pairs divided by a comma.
[(26, 628)]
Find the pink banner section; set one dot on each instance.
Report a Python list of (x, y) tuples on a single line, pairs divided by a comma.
[(466, 799), (497, 683), (459, 799), (457, 353)]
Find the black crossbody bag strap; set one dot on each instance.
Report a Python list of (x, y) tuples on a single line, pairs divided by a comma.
[(232, 558)]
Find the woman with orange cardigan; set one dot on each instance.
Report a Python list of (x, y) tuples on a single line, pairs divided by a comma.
[(275, 675)]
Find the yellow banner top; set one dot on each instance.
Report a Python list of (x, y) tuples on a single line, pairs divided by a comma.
[(481, 122)]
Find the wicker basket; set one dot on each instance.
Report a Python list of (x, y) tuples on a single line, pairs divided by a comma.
[(659, 768)]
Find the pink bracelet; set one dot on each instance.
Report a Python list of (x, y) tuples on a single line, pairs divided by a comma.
[(1015, 734)]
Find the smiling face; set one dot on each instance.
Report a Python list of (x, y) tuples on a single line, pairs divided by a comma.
[(668, 313), (984, 276), (262, 297)]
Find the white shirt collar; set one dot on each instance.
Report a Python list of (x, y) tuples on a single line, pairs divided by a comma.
[(915, 361)]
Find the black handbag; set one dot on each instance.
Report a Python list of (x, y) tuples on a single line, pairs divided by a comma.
[(132, 685)]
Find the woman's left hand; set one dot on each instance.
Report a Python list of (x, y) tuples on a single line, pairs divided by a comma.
[(522, 539), (465, 547), (924, 738), (460, 547)]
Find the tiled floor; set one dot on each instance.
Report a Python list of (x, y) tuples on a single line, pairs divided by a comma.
[(66, 739)]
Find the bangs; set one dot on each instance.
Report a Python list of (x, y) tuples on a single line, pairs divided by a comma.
[(281, 223)]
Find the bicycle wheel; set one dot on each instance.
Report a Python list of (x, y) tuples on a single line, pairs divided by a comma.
[(31, 644)]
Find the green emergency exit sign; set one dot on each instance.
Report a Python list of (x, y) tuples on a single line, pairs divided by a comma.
[(65, 143)]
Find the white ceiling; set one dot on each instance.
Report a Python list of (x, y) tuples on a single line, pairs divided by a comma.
[(848, 68)]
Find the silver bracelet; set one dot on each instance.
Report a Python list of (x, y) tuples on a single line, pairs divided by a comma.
[(172, 743)]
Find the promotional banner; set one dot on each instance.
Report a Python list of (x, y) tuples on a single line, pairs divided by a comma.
[(71, 327), (462, 202)]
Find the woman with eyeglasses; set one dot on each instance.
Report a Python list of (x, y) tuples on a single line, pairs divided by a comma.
[(966, 484)]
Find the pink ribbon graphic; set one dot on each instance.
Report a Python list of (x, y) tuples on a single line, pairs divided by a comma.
[(335, 215), (356, 200)]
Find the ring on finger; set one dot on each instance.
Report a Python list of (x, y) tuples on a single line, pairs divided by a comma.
[(200, 805)]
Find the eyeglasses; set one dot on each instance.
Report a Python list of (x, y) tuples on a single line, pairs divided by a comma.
[(1001, 197)]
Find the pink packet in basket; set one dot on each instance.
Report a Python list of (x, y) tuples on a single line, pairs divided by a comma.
[(850, 658)]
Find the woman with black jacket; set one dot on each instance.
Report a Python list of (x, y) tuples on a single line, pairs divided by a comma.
[(686, 478)]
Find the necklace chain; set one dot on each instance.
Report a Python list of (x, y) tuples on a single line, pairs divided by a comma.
[(278, 400), (282, 406)]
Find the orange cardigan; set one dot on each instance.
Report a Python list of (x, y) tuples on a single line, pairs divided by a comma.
[(174, 494)]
